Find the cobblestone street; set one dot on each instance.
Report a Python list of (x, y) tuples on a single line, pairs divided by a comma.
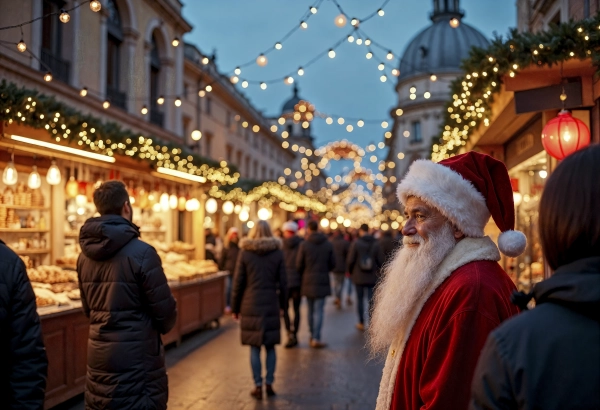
[(211, 370)]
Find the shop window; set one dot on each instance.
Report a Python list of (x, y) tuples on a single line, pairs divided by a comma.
[(264, 173), (208, 106), (113, 56), (229, 152), (255, 170), (52, 38), (247, 168), (238, 162), (156, 114), (208, 144), (415, 135), (228, 120)]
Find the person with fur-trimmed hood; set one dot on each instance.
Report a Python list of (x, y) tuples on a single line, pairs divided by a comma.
[(444, 291), (259, 295)]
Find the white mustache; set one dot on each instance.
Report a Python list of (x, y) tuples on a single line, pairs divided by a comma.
[(413, 239)]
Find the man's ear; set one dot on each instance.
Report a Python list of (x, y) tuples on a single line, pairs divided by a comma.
[(458, 234)]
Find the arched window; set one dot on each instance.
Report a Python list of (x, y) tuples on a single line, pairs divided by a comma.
[(156, 115), (113, 56)]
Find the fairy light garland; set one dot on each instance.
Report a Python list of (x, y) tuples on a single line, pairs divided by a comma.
[(63, 123), (473, 93)]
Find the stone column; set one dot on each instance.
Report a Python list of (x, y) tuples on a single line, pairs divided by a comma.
[(132, 81), (35, 43), (102, 53), (177, 125)]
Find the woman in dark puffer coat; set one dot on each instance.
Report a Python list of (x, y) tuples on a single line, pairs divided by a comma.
[(259, 295), (549, 357), (125, 294)]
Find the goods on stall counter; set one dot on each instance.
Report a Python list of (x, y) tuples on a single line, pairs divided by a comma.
[(185, 271), (53, 285), (67, 261), (27, 261), (51, 274), (177, 246), (23, 196)]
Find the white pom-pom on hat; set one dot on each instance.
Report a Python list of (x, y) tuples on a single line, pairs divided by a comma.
[(512, 243)]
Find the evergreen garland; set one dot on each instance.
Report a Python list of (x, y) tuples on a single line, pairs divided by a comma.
[(70, 126), (473, 94)]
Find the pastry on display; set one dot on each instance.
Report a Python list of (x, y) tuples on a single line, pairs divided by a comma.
[(51, 274)]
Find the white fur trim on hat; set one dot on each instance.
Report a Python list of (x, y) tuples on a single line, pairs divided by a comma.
[(512, 243), (455, 197), (290, 226)]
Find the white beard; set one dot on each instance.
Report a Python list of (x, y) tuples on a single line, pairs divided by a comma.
[(405, 277)]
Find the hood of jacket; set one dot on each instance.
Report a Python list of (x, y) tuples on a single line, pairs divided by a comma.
[(317, 238), (100, 238), (292, 242), (575, 286), (260, 246)]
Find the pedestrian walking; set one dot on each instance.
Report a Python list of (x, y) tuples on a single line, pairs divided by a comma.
[(291, 244), (24, 365), (444, 292), (315, 261), (125, 294), (340, 251), (387, 246), (364, 262), (549, 357), (228, 260), (259, 295)]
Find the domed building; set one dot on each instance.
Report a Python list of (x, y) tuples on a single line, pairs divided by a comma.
[(430, 62)]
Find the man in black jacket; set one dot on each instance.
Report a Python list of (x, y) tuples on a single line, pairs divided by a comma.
[(340, 251), (24, 365), (315, 261), (125, 294), (364, 262), (291, 244)]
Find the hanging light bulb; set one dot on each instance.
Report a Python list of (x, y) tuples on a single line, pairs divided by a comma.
[(289, 80), (359, 41), (263, 214), (21, 46), (201, 93), (160, 100), (300, 71), (234, 79), (83, 92), (454, 22), (181, 203), (331, 53), (175, 42), (53, 176), (211, 205), (106, 104), (350, 39), (10, 176), (196, 135), (313, 10), (177, 102), (192, 205), (228, 207), (48, 77), (244, 84), (34, 181), (278, 46), (237, 209), (244, 215), (381, 66), (369, 55), (205, 60), (395, 72), (95, 6), (261, 60), (173, 201), (164, 202), (340, 20), (303, 25), (208, 88), (144, 110), (389, 55), (381, 12), (433, 77), (355, 22), (263, 86), (64, 16), (237, 71)]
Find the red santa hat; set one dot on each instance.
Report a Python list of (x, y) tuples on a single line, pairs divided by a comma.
[(467, 189)]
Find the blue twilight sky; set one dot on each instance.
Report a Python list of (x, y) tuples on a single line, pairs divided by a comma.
[(348, 85)]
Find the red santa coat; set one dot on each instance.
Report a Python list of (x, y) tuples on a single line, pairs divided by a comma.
[(431, 364)]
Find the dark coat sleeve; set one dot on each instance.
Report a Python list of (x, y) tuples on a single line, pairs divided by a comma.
[(300, 260), (351, 260), (27, 356), (163, 308), (282, 281), (491, 388), (84, 303), (331, 257), (223, 261), (239, 284)]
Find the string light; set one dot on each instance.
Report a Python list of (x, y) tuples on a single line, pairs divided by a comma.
[(433, 77), (331, 53), (359, 41), (21, 46), (381, 66), (369, 55), (303, 25), (355, 22), (390, 55), (48, 77), (278, 46), (234, 79), (175, 42), (144, 110), (384, 124), (454, 22), (261, 60), (367, 42), (177, 102), (205, 60), (351, 39), (83, 92), (95, 6), (300, 71), (196, 135), (381, 12), (263, 86), (106, 104), (341, 20), (383, 78), (313, 10), (244, 84), (360, 123), (64, 16), (237, 71), (160, 100), (208, 88), (289, 80), (395, 72), (201, 93)]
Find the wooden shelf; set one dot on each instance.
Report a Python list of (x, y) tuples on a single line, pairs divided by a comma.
[(31, 251), (71, 234), (24, 207), (23, 230)]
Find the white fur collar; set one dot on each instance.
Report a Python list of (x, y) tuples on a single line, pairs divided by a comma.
[(466, 251)]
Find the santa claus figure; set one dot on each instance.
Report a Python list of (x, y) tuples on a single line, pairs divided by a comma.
[(444, 290)]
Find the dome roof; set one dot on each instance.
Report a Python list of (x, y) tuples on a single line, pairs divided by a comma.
[(289, 105), (439, 48)]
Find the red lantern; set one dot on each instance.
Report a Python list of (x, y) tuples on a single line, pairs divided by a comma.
[(564, 135)]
